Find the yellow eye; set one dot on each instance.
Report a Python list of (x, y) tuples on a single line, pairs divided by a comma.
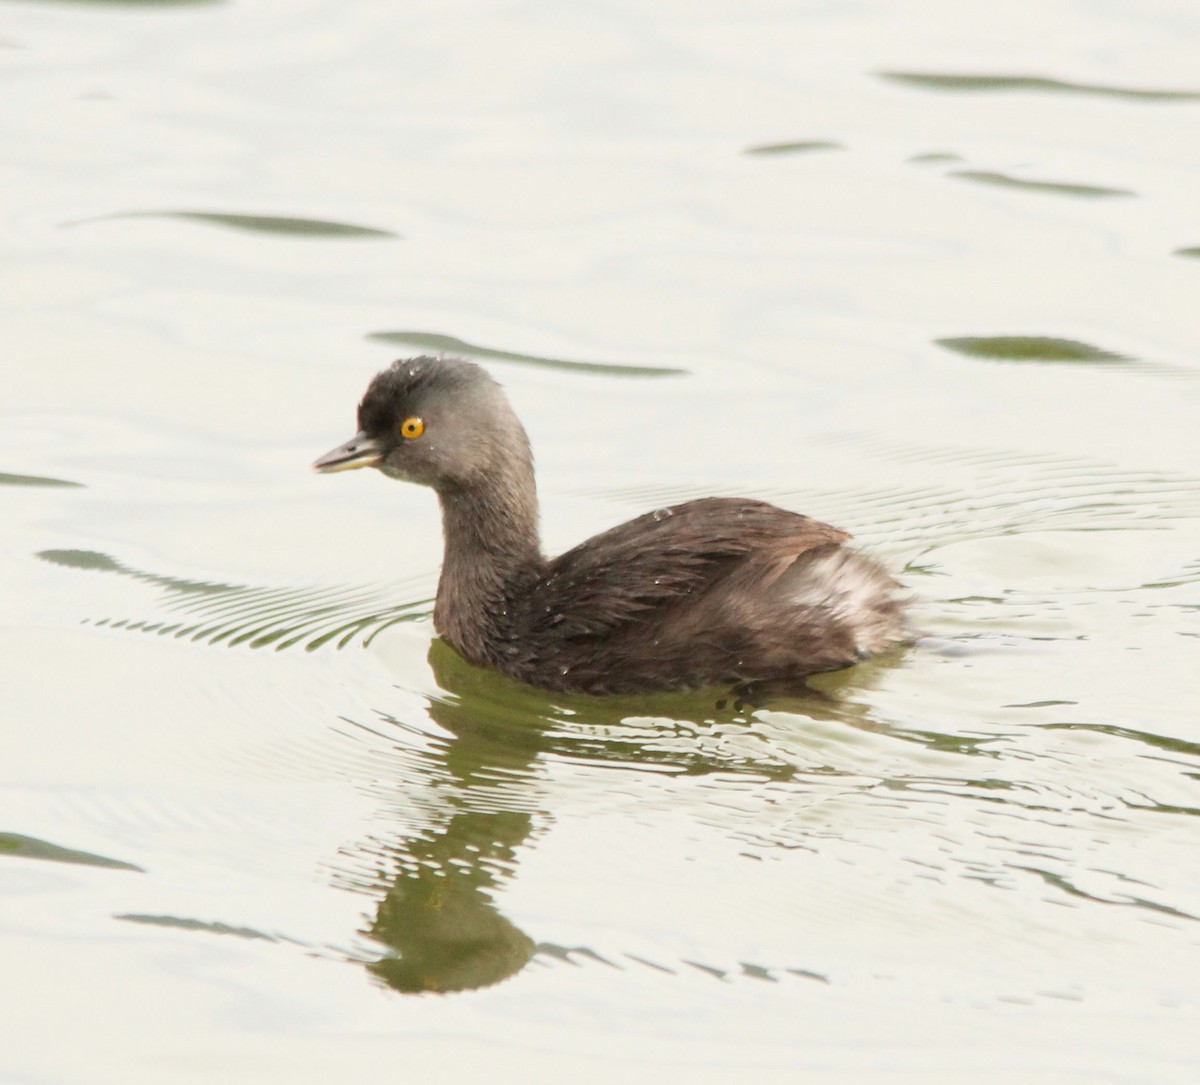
[(412, 428)]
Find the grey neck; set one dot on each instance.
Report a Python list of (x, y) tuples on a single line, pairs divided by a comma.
[(492, 552)]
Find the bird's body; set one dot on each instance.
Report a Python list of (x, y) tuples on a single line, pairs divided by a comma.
[(719, 591)]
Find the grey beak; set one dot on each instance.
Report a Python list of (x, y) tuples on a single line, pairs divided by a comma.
[(359, 451)]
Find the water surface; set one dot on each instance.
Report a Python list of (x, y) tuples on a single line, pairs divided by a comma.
[(256, 823)]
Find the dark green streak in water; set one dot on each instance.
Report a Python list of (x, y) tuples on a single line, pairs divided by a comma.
[(38, 480), (972, 84), (1030, 348), (1192, 251), (1051, 188), (448, 344), (1061, 883), (28, 847), (97, 562), (935, 157), (277, 225), (1157, 742), (177, 923), (803, 146)]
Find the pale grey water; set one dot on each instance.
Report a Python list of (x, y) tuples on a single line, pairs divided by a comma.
[(926, 270)]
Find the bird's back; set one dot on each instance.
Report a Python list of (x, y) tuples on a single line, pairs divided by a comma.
[(710, 592)]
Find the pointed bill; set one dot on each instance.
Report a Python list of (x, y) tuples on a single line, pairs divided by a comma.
[(359, 451)]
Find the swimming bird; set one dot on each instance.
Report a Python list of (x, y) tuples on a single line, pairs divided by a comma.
[(713, 592)]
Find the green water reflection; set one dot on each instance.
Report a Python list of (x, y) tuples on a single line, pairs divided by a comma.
[(278, 225), (960, 83), (38, 480), (440, 916), (1029, 348), (1050, 188), (800, 146), (448, 344), (259, 617), (28, 847)]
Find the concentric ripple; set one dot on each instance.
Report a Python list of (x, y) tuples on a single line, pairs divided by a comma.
[(981, 493)]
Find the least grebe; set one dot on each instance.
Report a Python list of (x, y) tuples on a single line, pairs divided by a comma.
[(719, 591)]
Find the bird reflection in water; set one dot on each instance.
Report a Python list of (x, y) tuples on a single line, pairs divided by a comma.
[(439, 917)]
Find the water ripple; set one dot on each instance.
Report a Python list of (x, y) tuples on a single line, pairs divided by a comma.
[(256, 617), (1051, 188), (1029, 348), (277, 225), (982, 493), (28, 847), (800, 146), (975, 84), (38, 480), (1055, 350), (447, 344)]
